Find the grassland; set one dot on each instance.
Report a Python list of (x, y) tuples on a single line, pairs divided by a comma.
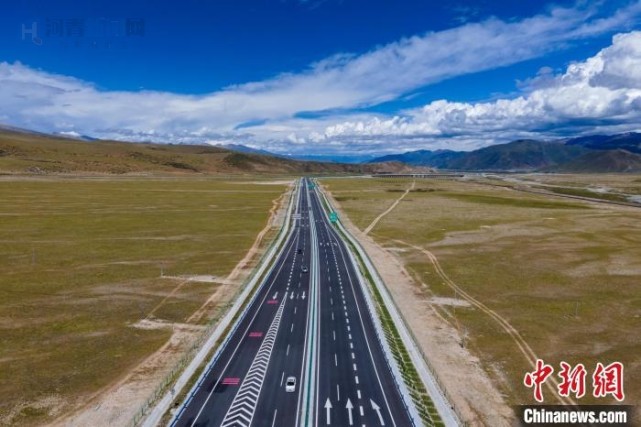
[(618, 183), (608, 187), (565, 274), (81, 263)]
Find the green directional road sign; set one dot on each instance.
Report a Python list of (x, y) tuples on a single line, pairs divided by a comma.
[(333, 217)]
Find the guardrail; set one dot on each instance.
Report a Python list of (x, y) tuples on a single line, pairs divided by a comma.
[(184, 370), (450, 415)]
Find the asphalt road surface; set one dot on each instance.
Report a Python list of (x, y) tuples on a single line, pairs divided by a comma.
[(309, 320)]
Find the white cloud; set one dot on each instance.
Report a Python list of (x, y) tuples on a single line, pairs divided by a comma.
[(604, 90), (49, 102)]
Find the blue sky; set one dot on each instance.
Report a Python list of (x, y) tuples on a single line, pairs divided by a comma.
[(332, 76)]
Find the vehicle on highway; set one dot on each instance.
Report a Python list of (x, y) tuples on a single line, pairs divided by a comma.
[(290, 384), (304, 269)]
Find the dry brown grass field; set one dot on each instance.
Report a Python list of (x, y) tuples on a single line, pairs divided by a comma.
[(80, 268), (565, 274)]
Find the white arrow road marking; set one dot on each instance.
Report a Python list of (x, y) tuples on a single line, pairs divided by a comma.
[(275, 295), (328, 407), (291, 296), (378, 411), (349, 407), (303, 294)]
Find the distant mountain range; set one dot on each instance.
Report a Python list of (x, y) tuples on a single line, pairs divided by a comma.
[(598, 153), (245, 149), (337, 158), (25, 152), (624, 141)]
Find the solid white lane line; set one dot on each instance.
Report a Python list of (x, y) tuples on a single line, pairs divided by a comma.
[(338, 392), (274, 420)]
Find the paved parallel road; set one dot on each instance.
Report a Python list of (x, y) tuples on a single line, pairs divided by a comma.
[(309, 320)]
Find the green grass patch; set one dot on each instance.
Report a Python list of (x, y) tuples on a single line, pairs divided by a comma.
[(513, 201), (582, 192)]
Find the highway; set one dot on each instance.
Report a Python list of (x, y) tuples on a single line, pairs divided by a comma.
[(308, 319)]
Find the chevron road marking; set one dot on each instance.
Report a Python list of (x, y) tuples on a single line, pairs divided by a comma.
[(241, 411)]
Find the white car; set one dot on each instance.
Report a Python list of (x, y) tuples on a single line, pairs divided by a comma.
[(290, 384)]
